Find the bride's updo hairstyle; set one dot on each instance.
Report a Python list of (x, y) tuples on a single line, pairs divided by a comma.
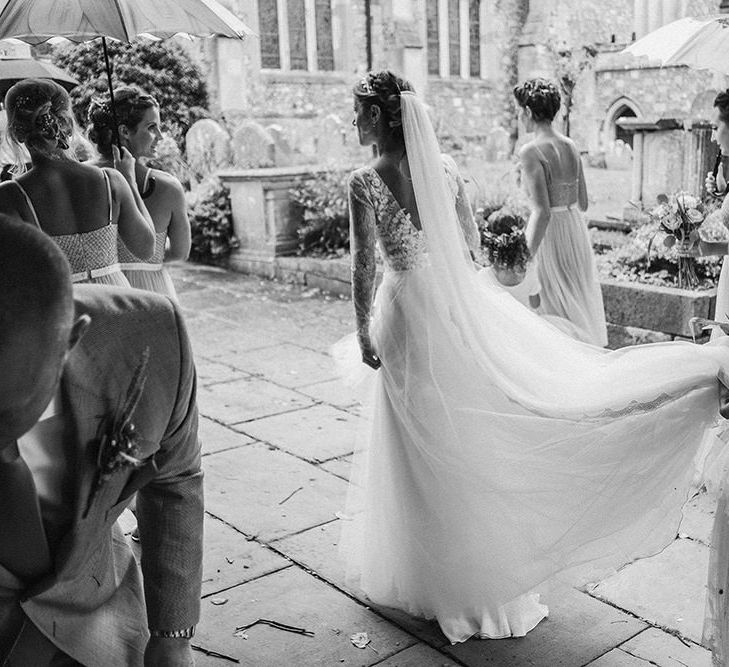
[(504, 241), (383, 89), (541, 97), (131, 104), (40, 117)]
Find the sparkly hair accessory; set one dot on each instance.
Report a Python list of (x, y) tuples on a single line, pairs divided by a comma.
[(366, 86)]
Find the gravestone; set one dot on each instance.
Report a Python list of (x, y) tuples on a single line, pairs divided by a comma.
[(207, 146), (253, 146), (497, 145), (331, 138), (284, 152)]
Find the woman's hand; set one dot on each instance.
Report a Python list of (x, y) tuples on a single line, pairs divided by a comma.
[(369, 356), (715, 185), (124, 163)]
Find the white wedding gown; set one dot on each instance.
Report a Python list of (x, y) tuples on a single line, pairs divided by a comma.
[(500, 452)]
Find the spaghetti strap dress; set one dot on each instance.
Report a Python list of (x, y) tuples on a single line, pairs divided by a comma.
[(151, 274), (92, 255), (566, 263)]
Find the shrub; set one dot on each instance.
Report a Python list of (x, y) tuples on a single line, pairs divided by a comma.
[(323, 202), (162, 68), (211, 224), (631, 263)]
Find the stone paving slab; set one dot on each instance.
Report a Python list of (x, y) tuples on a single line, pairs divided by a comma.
[(419, 655), (208, 298), (210, 371), (333, 392), (287, 364), (214, 338), (698, 518), (579, 629), (339, 467), (293, 597), (317, 550), (668, 589), (216, 438), (247, 399), (229, 559), (662, 649), (619, 658), (316, 434), (248, 488)]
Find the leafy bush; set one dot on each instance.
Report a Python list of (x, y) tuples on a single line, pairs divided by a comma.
[(323, 202), (631, 263), (211, 224), (163, 69)]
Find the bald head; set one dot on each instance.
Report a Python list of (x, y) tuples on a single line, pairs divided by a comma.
[(36, 324), (35, 281)]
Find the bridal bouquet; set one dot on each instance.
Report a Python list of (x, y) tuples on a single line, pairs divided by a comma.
[(680, 217)]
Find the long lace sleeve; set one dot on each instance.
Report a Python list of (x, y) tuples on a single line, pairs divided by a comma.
[(463, 206), (362, 246)]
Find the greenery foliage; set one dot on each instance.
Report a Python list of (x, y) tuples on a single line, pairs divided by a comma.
[(211, 224), (161, 68), (631, 262), (322, 202)]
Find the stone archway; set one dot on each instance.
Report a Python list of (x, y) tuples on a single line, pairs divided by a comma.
[(623, 107)]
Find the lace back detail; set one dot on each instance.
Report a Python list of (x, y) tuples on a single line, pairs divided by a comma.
[(401, 243), (562, 194)]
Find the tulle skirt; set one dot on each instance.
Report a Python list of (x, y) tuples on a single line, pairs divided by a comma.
[(463, 499), (157, 280), (568, 275)]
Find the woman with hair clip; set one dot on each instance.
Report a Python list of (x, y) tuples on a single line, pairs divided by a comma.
[(500, 452), (556, 232), (83, 208), (139, 131)]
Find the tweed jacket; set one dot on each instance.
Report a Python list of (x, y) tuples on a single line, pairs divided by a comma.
[(91, 605)]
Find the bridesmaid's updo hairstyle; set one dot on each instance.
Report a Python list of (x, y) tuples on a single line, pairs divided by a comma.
[(721, 102), (131, 104), (540, 96), (504, 241), (383, 89), (40, 116)]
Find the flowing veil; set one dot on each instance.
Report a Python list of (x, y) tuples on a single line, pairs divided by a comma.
[(501, 444)]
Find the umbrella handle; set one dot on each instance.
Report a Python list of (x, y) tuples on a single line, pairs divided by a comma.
[(107, 64)]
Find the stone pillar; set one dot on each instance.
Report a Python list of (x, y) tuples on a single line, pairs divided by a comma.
[(700, 156), (636, 183), (443, 38), (640, 18), (465, 39)]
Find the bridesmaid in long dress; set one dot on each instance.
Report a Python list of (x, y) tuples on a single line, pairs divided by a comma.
[(556, 232), (139, 130), (83, 208)]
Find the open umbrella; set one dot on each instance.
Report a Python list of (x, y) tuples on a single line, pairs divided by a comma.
[(36, 21), (13, 70), (699, 43)]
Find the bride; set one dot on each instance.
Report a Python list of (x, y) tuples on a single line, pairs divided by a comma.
[(501, 452)]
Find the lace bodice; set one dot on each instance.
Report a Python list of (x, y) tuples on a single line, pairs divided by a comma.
[(377, 217), (562, 194), (401, 244)]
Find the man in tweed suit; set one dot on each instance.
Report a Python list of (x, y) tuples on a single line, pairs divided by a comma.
[(77, 440)]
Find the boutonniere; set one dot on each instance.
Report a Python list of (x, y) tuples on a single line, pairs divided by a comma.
[(117, 439)]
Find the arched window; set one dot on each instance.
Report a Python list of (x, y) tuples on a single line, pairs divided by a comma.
[(620, 133)]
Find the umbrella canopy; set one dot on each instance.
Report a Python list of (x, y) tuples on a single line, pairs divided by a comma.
[(700, 43), (13, 70), (36, 21)]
